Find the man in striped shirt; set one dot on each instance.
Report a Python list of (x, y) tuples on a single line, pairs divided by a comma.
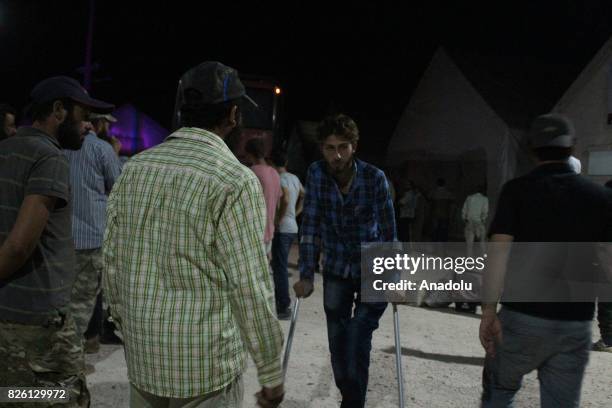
[(186, 274), (93, 171)]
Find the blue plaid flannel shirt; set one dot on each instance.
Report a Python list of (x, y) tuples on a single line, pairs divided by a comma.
[(339, 224)]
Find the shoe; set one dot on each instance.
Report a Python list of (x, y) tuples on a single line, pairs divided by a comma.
[(284, 315), (464, 307), (92, 345), (601, 346)]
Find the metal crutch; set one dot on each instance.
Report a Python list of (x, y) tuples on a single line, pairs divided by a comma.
[(398, 357), (294, 316)]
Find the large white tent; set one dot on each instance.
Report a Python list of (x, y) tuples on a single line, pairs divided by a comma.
[(464, 131), (588, 103)]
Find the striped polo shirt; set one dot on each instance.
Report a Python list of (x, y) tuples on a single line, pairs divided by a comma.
[(32, 163)]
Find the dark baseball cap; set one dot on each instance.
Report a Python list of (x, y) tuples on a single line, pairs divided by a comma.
[(217, 83), (59, 87), (551, 130)]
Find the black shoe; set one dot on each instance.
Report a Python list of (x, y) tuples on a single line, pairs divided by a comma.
[(284, 315)]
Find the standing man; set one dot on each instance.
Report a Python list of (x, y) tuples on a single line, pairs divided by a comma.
[(186, 274), (286, 232), (7, 120), (270, 183), (407, 211), (347, 202), (474, 214), (93, 171), (39, 345), (552, 338)]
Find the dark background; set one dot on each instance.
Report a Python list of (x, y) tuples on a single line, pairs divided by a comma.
[(363, 58)]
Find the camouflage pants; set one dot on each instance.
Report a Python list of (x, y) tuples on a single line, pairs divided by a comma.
[(86, 287), (43, 356)]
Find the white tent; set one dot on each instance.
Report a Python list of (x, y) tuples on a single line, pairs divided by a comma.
[(451, 130), (588, 103)]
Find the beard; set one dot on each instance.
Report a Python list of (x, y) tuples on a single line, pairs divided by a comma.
[(233, 137), (69, 134)]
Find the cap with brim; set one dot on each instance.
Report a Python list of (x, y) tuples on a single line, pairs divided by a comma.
[(551, 130), (60, 87), (105, 116), (216, 82)]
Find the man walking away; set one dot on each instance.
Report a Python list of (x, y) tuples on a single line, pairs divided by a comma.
[(552, 338), (286, 232), (39, 344), (186, 275), (347, 202), (270, 183)]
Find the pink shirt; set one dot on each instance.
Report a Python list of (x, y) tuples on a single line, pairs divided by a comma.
[(270, 181)]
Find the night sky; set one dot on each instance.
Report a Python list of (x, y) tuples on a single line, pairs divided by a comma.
[(363, 58)]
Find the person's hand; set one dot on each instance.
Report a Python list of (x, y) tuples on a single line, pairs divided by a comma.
[(303, 288), (490, 332), (116, 144), (270, 397)]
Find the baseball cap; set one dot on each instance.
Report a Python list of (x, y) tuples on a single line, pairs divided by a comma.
[(65, 87), (551, 130), (216, 82), (106, 116)]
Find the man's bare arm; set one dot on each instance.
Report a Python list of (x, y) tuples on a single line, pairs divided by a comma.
[(25, 234), (495, 273)]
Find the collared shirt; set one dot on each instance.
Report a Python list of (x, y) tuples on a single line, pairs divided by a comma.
[(32, 163), (186, 271), (475, 208), (340, 223), (271, 186), (93, 171)]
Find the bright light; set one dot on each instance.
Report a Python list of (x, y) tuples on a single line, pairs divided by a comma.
[(277, 90)]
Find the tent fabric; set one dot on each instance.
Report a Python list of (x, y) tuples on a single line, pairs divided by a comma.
[(587, 104), (449, 130), (135, 130)]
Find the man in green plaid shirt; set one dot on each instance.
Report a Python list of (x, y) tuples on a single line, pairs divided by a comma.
[(186, 272)]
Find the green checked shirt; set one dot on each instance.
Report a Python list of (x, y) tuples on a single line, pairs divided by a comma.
[(186, 272)]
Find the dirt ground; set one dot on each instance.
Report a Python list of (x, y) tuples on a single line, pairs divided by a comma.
[(442, 362)]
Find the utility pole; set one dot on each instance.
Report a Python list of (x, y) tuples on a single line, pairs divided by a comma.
[(89, 46)]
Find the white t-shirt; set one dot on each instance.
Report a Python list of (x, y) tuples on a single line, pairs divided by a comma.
[(291, 183)]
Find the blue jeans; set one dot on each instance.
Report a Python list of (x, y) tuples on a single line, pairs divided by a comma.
[(280, 257), (558, 349), (349, 333)]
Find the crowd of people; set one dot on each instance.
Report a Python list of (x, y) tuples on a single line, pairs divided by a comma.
[(186, 250)]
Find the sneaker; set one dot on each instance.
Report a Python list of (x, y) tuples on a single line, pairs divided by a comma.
[(285, 314), (601, 346), (91, 345)]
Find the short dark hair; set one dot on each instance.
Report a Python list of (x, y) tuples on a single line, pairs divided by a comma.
[(39, 111), (553, 153), (255, 147), (340, 125), (279, 158), (195, 113)]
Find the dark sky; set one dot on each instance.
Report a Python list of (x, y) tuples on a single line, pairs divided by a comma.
[(362, 57)]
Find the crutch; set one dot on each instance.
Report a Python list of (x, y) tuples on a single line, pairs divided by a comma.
[(398, 357), (294, 317)]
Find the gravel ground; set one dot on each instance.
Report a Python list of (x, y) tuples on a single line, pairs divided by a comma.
[(442, 361)]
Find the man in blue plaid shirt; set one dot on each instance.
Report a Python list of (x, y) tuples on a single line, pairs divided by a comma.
[(347, 202)]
